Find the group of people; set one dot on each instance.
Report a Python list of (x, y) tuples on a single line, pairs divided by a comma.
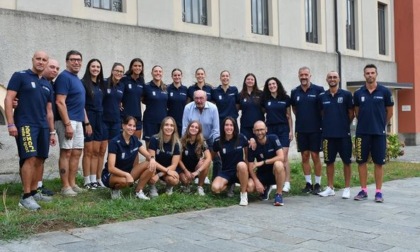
[(186, 129)]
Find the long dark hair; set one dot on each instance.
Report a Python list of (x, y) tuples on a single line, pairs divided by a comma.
[(130, 70), (281, 92), (109, 84), (87, 79), (235, 136), (255, 90), (199, 139)]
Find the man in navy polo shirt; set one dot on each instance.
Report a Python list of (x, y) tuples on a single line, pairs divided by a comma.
[(373, 108), (337, 114), (32, 125), (70, 101), (267, 160), (308, 127)]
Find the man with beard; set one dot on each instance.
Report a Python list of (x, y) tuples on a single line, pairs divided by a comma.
[(337, 114), (308, 127), (373, 108), (268, 168)]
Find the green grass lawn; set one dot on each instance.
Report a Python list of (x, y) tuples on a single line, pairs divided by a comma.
[(95, 207)]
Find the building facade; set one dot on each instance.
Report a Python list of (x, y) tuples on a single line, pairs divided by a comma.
[(265, 37)]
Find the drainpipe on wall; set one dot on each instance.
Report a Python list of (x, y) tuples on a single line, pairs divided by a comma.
[(337, 50)]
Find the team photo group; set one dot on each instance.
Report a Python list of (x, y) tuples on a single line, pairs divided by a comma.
[(130, 129)]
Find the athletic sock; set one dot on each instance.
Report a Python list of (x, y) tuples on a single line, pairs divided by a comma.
[(87, 180), (308, 179), (93, 178), (318, 180), (39, 184)]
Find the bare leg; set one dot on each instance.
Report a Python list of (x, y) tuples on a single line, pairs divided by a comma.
[(74, 165)]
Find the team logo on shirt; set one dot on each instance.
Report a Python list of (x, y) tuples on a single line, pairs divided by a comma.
[(157, 151), (362, 99), (224, 150), (186, 152), (33, 84), (278, 142), (378, 97), (129, 86), (123, 155), (171, 94), (340, 100), (269, 103), (297, 98), (154, 93), (244, 99), (108, 90), (220, 97), (262, 155)]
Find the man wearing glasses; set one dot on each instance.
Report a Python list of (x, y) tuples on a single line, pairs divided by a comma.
[(71, 114)]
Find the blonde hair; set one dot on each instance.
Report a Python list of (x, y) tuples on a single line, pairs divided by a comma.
[(174, 138)]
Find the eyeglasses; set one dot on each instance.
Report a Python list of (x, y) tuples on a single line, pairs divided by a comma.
[(118, 71), (74, 60)]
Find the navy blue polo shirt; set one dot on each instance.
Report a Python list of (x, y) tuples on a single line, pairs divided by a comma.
[(266, 151), (94, 103), (371, 118), (71, 86), (111, 102), (335, 118), (251, 109), (226, 101), (276, 110), (231, 152), (163, 157), (308, 113), (131, 100), (177, 99), (33, 93), (125, 154), (206, 88), (189, 157), (156, 101)]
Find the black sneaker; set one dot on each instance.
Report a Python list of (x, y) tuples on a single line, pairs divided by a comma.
[(45, 191), (266, 194), (94, 185), (317, 189), (308, 188)]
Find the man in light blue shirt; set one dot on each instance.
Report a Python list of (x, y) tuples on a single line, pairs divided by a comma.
[(206, 113)]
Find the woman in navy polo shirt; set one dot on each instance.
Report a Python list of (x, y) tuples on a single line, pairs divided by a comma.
[(177, 98), (123, 167), (226, 97), (195, 158), (200, 76), (93, 81), (276, 104), (250, 103), (232, 147), (165, 148), (155, 97), (133, 92)]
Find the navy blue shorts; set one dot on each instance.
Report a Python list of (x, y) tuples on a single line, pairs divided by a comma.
[(105, 176), (32, 142), (248, 132), (282, 132), (266, 178), (95, 120), (149, 130), (229, 175), (111, 129), (332, 146), (373, 144), (308, 142)]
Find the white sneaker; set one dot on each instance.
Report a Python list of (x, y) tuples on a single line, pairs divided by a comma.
[(186, 189), (153, 191), (327, 192), (196, 181), (346, 193), (115, 194), (141, 195), (230, 192), (286, 187), (169, 190), (206, 181), (29, 203), (244, 199), (200, 191)]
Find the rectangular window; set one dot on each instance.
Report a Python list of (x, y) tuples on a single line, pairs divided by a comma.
[(259, 17), (382, 28), (311, 21), (351, 25), (112, 5), (194, 11)]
